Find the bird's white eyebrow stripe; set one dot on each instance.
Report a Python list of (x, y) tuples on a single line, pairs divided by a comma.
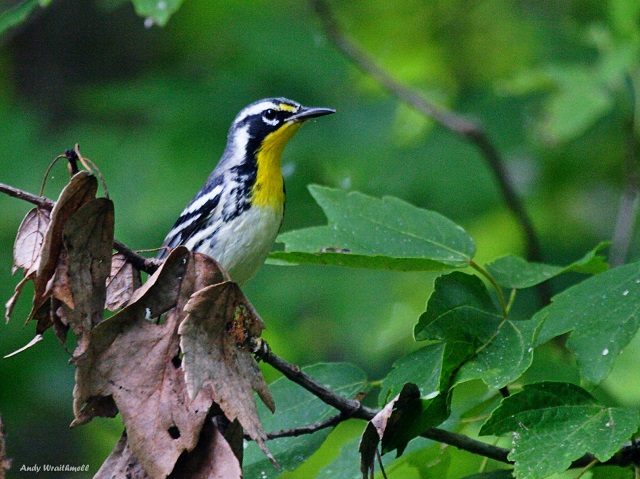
[(255, 109), (262, 106)]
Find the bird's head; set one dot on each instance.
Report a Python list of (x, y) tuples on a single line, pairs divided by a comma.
[(270, 123), (257, 139)]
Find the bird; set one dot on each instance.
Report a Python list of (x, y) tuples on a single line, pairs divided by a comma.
[(237, 214)]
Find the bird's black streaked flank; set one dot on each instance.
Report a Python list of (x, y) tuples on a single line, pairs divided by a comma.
[(236, 215)]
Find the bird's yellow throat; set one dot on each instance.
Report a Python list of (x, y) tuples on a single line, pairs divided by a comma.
[(268, 189)]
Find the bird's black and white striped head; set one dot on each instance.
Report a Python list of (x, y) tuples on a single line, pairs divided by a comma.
[(265, 117)]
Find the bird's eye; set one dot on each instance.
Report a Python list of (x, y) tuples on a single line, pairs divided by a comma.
[(269, 116)]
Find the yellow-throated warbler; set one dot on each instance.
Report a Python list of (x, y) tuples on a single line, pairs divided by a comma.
[(236, 215)]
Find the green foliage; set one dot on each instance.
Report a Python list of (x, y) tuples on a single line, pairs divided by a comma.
[(158, 11), (470, 337), (18, 13), (554, 424), (367, 232), (479, 339), (578, 95), (602, 315), (516, 272)]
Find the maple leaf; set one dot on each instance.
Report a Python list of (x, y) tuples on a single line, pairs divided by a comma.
[(215, 342)]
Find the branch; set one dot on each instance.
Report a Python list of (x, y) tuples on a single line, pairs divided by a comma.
[(348, 407), (148, 265), (300, 431), (458, 124)]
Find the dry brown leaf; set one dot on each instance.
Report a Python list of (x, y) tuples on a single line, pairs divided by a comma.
[(121, 463), (139, 370), (214, 341), (27, 250), (382, 424), (212, 458), (28, 244), (161, 291), (122, 282), (58, 285), (9, 305), (60, 313), (88, 240), (81, 188), (136, 362)]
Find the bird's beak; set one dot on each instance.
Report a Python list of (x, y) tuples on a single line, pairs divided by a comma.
[(306, 113)]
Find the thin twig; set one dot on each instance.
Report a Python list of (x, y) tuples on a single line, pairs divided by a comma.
[(310, 429), (148, 265), (353, 409), (458, 124), (349, 407), (40, 201)]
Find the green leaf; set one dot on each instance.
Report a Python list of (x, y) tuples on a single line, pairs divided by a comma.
[(603, 315), (296, 407), (554, 424), (18, 13), (347, 464), (623, 17), (580, 101), (158, 12), (422, 367), (497, 474), (516, 272), (461, 313), (374, 233)]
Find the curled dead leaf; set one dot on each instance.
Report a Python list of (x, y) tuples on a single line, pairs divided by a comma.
[(81, 188), (27, 251), (11, 303), (29, 240), (58, 285), (211, 459), (382, 426), (122, 462), (123, 280)]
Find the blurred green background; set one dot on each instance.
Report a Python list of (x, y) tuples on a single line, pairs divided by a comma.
[(552, 82)]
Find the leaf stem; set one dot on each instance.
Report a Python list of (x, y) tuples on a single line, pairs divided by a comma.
[(503, 304), (586, 468), (512, 299)]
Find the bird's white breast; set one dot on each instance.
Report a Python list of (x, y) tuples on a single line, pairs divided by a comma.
[(244, 243)]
